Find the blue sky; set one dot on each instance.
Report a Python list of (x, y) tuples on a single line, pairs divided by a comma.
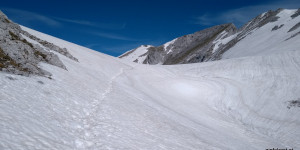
[(113, 27)]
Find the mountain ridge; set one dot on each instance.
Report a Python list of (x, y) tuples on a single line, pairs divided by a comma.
[(208, 48)]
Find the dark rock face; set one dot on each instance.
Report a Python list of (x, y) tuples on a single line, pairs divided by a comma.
[(277, 27), (205, 45), (190, 48), (19, 56), (49, 45), (199, 46), (292, 36), (293, 103), (296, 14), (295, 27), (261, 20)]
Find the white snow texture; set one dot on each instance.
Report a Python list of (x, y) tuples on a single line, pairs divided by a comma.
[(103, 102)]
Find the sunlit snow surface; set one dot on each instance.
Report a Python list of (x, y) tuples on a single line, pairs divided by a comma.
[(264, 41), (137, 55), (106, 103)]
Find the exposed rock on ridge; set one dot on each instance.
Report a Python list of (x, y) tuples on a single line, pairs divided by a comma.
[(19, 56), (206, 45), (197, 47), (49, 45)]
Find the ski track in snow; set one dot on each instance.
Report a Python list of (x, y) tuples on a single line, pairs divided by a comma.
[(86, 140), (216, 99)]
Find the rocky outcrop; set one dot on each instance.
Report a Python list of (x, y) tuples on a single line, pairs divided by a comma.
[(257, 22), (296, 26), (296, 14), (19, 56), (49, 45), (196, 47), (277, 27)]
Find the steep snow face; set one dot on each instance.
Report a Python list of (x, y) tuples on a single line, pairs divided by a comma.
[(102, 103), (137, 55), (222, 40), (271, 38), (169, 45)]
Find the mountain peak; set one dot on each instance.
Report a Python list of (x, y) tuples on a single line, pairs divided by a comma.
[(211, 43)]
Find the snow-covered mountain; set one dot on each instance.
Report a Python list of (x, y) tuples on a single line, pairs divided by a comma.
[(273, 30), (251, 100), (136, 55)]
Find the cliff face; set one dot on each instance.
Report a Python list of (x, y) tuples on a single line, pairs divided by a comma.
[(210, 44), (198, 47), (21, 52)]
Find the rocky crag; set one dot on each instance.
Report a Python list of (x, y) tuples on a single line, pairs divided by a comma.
[(19, 56)]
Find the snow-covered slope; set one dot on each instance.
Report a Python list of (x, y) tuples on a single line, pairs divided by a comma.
[(272, 31), (273, 37), (137, 55), (102, 102)]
